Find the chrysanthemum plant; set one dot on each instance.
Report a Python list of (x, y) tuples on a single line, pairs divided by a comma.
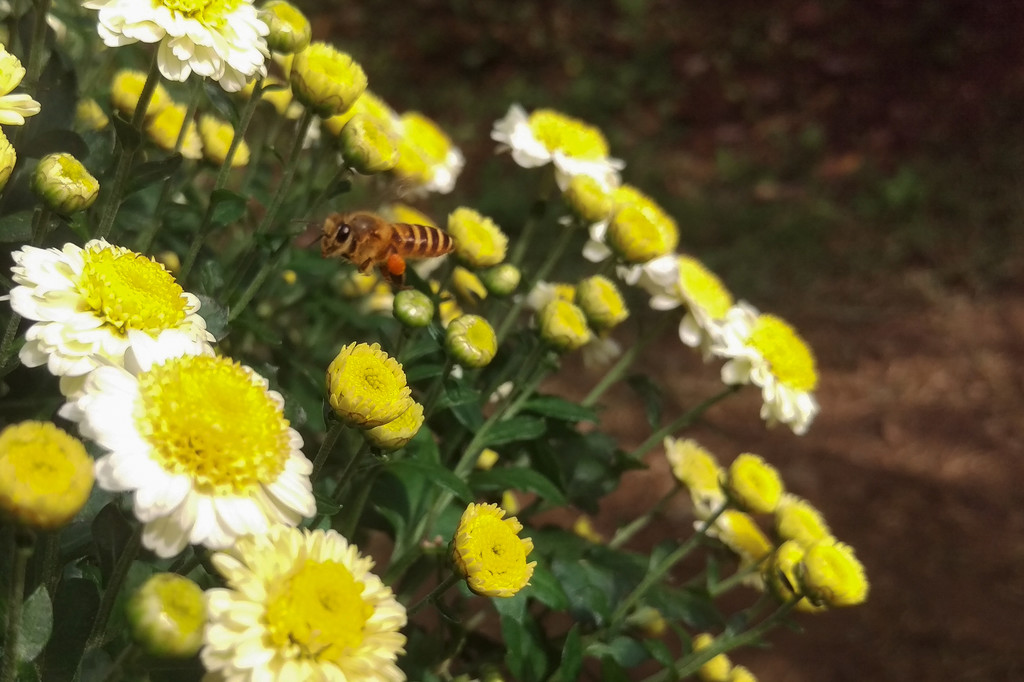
[(261, 421)]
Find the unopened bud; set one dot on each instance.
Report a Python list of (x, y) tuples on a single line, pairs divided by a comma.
[(367, 145), (289, 28), (471, 341), (63, 183), (501, 280), (413, 308)]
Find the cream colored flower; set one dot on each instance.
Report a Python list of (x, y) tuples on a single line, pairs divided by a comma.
[(301, 605), (200, 441), (13, 108), (223, 40), (428, 161), (479, 241), (327, 80), (90, 304), (764, 350), (8, 158)]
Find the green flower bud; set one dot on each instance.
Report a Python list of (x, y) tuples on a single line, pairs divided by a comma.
[(588, 199), (326, 80), (367, 145), (563, 326), (413, 308), (501, 280), (167, 616), (471, 341), (753, 484), (7, 159), (601, 302), (289, 28), (63, 183)]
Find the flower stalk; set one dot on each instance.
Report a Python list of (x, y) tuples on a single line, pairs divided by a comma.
[(21, 546)]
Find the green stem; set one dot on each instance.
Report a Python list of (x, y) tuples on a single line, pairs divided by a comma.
[(737, 578), (124, 562), (127, 153), (8, 340), (537, 211), (266, 269), (50, 575), (325, 448), (657, 573), (20, 552), (34, 67), (625, 533), (435, 389), (681, 422), (125, 659), (354, 511), (564, 237), (625, 361), (725, 643), (291, 165), (434, 594)]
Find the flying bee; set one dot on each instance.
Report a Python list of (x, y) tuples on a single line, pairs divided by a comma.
[(366, 239)]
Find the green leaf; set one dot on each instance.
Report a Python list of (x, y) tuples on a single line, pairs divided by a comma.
[(220, 101), (152, 172), (524, 652), (517, 478), (514, 429), (16, 227), (512, 607), (216, 316), (53, 141), (127, 135), (36, 624), (75, 606), (111, 532), (650, 394), (572, 657), (625, 651), (427, 370), (545, 588), (559, 408), (226, 207), (660, 652), (433, 473), (458, 394)]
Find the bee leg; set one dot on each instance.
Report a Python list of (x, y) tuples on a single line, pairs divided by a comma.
[(393, 270), (365, 266)]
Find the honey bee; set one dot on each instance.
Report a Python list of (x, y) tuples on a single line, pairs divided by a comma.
[(366, 239)]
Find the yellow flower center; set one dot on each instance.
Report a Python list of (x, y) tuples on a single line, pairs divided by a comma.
[(703, 288), (497, 555), (210, 419), (640, 229), (207, 12), (424, 134), (789, 357), (181, 602), (320, 609), (129, 291), (558, 132)]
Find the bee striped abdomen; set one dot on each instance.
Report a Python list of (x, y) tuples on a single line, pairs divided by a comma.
[(421, 241)]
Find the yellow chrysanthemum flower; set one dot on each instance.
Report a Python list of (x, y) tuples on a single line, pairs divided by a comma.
[(583, 526), (91, 304), (563, 326), (753, 484), (368, 104), (221, 40), (399, 431), (165, 127), (471, 341), (830, 575), (13, 108), (715, 670), (202, 442), (367, 145), (510, 502), (326, 80), (548, 136), (489, 553), (797, 519), (216, 135), (274, 91), (89, 115), (479, 241), (301, 605), (290, 31), (126, 88), (404, 213), (740, 673), (588, 199), (167, 616), (602, 302), (766, 351), (366, 387), (45, 474), (640, 230), (698, 470), (428, 161), (779, 572), (8, 158), (545, 292), (739, 532), (64, 184), (487, 459)]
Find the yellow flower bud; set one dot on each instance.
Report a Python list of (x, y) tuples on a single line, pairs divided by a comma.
[(290, 31), (45, 474), (471, 341), (326, 80), (831, 575), (640, 229), (89, 115), (367, 145), (164, 128), (488, 552), (217, 135), (7, 159), (741, 674), (584, 528), (63, 183), (366, 387), (648, 622), (487, 459), (715, 670), (588, 199), (601, 302), (170, 260), (167, 616), (501, 280), (352, 283), (797, 519), (510, 503), (563, 326), (126, 88), (397, 432), (479, 241), (753, 484), (413, 308)]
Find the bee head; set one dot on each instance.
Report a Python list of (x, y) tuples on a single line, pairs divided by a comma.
[(335, 239)]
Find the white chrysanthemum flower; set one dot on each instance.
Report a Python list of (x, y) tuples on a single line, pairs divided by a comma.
[(219, 39), (600, 352), (547, 136), (13, 108), (301, 605), (428, 160), (683, 280), (89, 303), (201, 441), (764, 350)]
